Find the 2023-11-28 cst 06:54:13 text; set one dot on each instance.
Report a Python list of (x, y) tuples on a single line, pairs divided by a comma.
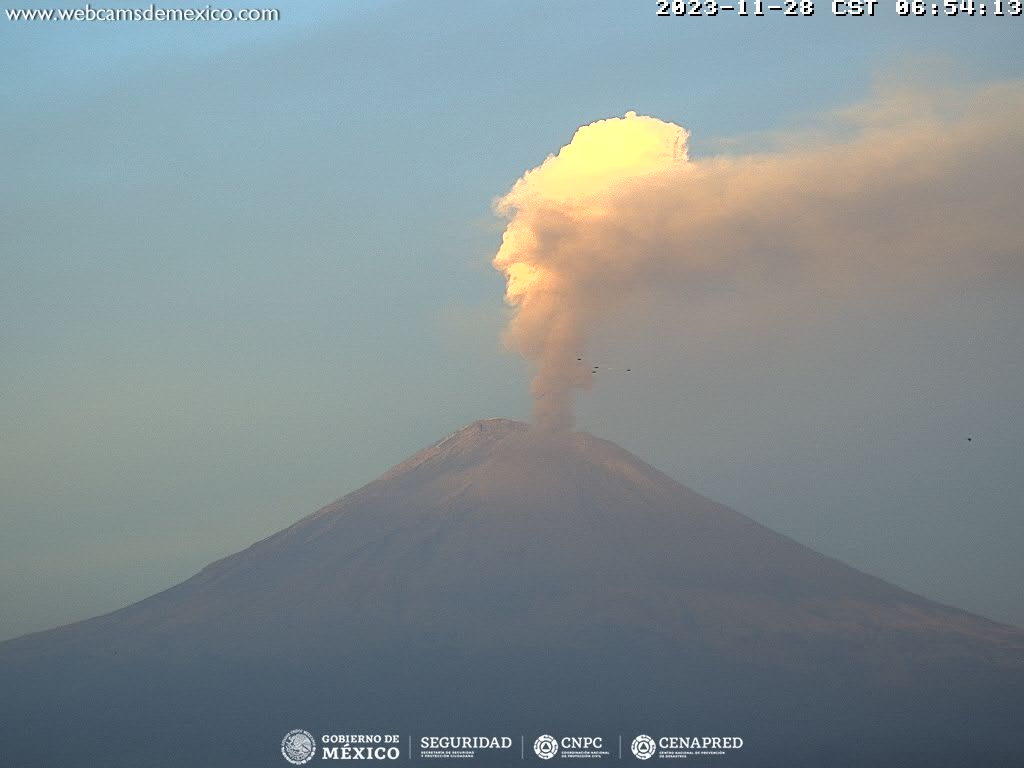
[(856, 8)]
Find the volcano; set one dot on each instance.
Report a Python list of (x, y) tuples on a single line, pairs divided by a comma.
[(514, 581)]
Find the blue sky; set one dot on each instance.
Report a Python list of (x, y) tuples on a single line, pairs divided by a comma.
[(245, 269)]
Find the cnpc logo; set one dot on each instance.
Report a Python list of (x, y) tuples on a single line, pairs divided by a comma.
[(547, 746)]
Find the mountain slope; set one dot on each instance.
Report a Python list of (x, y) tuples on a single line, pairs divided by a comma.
[(505, 574)]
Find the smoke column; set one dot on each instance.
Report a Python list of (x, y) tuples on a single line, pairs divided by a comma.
[(570, 191), (919, 190)]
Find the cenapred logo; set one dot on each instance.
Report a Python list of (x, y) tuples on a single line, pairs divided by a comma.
[(643, 747), (298, 746), (546, 747)]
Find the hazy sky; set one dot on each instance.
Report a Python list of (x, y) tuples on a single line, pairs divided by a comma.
[(246, 268)]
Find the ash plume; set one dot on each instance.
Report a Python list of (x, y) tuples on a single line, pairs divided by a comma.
[(913, 190)]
